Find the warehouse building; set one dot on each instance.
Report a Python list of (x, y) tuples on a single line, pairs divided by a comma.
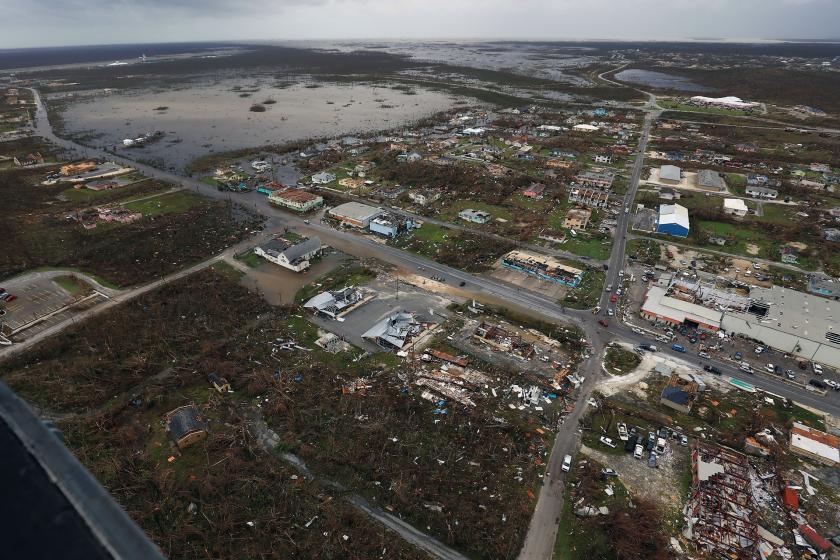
[(710, 180), (670, 174), (662, 308), (355, 214), (673, 220), (802, 324)]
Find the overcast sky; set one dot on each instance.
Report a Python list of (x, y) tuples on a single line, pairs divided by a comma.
[(31, 23)]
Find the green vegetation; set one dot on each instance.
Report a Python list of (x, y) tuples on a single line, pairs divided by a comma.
[(121, 254), (251, 259), (212, 181), (620, 361), (451, 209), (689, 108), (72, 285), (350, 273), (588, 293), (596, 247), (172, 203), (460, 249), (646, 251)]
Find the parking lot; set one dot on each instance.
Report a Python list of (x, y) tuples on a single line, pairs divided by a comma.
[(38, 295), (391, 295)]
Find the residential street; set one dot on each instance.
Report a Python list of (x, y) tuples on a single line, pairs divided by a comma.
[(539, 543)]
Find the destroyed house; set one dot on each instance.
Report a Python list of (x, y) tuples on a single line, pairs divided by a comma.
[(395, 331), (543, 267), (503, 340), (335, 304), (679, 394), (186, 425), (391, 224), (721, 516)]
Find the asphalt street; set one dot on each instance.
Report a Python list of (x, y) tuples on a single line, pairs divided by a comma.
[(539, 542)]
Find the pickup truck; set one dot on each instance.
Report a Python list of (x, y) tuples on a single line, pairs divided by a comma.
[(678, 348)]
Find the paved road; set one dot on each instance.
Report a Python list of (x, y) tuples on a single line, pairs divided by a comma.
[(539, 542)]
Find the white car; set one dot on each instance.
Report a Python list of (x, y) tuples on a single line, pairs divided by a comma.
[(817, 369), (704, 355), (637, 330), (567, 463), (607, 441), (637, 454), (759, 349), (831, 383), (622, 431)]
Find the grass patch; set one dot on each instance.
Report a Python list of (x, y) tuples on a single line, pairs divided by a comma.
[(598, 248), (72, 285), (588, 293), (620, 361), (251, 259), (353, 273), (646, 251), (172, 203), (213, 182)]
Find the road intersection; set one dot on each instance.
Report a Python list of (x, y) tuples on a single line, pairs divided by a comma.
[(539, 543)]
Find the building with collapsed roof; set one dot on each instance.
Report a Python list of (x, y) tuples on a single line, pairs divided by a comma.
[(186, 425), (503, 340), (294, 256), (543, 267), (396, 331), (338, 303), (721, 517), (679, 393), (660, 307)]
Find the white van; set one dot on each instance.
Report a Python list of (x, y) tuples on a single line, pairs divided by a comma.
[(567, 463)]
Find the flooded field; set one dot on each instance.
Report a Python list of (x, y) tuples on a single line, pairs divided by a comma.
[(220, 115), (659, 80)]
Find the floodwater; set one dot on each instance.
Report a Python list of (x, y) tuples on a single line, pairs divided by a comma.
[(278, 285), (659, 80), (215, 116)]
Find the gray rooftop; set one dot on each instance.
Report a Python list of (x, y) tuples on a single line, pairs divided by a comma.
[(669, 173)]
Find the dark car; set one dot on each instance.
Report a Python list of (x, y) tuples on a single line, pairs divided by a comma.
[(818, 384), (651, 441), (603, 323), (10, 299), (715, 370), (738, 355), (630, 444), (462, 284)]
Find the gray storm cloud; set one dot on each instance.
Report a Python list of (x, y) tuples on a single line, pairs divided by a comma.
[(58, 22)]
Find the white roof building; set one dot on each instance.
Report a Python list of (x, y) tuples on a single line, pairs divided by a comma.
[(735, 206), (673, 220), (730, 102)]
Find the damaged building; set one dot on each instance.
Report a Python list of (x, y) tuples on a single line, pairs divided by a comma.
[(503, 340), (398, 330), (338, 303), (721, 515)]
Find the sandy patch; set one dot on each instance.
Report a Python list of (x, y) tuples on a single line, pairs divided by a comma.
[(753, 249)]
